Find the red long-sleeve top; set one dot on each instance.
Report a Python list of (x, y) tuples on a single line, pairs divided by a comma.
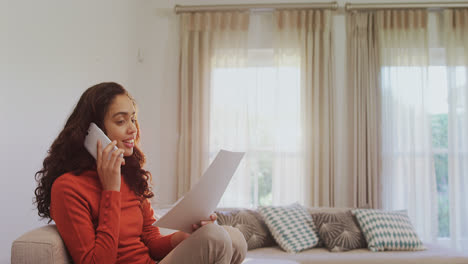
[(100, 226)]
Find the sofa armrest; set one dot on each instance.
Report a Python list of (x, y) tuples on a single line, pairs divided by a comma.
[(41, 245)]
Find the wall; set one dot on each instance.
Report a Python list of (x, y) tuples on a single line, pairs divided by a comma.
[(51, 51), (156, 81)]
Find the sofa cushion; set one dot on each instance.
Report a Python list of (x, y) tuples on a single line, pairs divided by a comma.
[(251, 225), (339, 231), (433, 255), (292, 226), (41, 245), (388, 230)]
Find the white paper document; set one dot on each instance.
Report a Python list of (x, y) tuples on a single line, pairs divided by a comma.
[(202, 199)]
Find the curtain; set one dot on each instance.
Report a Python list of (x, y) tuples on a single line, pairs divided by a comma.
[(242, 113), (203, 36), (304, 38), (365, 108), (408, 174), (421, 74), (255, 108), (455, 39), (278, 108)]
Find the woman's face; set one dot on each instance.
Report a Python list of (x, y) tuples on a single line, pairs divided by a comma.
[(120, 125)]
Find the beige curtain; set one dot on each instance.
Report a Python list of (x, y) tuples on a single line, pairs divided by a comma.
[(204, 37), (304, 37), (364, 109), (455, 39)]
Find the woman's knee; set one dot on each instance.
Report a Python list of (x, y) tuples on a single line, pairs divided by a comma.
[(214, 233), (208, 244), (239, 244), (215, 238)]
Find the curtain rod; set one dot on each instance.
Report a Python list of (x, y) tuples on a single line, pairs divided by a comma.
[(241, 7), (389, 5)]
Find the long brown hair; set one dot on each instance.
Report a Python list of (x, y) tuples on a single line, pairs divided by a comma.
[(68, 154)]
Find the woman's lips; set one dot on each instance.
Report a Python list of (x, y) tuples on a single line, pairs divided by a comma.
[(129, 143)]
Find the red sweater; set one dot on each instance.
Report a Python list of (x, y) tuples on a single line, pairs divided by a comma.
[(105, 226)]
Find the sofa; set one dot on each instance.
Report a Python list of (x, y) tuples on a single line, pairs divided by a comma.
[(433, 255), (44, 245), (274, 254)]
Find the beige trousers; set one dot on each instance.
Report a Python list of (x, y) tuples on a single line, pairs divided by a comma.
[(210, 244)]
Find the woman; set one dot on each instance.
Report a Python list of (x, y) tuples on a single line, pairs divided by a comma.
[(101, 207)]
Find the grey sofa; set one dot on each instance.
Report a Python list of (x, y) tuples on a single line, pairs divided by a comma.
[(41, 245), (433, 255), (44, 246)]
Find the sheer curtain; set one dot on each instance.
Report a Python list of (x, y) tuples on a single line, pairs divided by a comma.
[(304, 38), (408, 174), (255, 108), (277, 108), (240, 118), (455, 39), (422, 66), (204, 36)]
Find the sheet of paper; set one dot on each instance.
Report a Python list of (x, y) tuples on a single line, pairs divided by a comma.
[(203, 198)]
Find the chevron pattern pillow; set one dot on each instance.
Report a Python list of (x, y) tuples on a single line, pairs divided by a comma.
[(291, 226), (388, 230)]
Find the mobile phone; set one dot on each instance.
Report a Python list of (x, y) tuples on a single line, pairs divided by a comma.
[(94, 134)]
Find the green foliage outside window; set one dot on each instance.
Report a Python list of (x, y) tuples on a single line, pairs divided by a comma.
[(265, 183), (440, 145)]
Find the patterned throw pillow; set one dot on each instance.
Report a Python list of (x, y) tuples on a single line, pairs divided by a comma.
[(339, 231), (251, 225), (388, 230), (291, 226)]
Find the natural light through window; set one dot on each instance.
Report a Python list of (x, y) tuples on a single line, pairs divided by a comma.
[(255, 109), (400, 82)]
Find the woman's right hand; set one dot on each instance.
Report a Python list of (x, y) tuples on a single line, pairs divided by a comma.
[(109, 169)]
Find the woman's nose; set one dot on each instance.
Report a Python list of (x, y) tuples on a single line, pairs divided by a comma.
[(132, 129)]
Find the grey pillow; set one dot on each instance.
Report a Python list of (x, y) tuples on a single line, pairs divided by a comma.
[(251, 225), (339, 231)]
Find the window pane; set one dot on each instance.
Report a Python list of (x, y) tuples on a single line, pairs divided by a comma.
[(439, 131), (438, 102), (265, 168), (256, 109), (441, 167), (438, 105), (400, 84)]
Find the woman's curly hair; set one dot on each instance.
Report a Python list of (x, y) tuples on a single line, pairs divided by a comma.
[(68, 154)]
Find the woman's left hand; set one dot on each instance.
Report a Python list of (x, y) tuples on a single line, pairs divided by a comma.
[(213, 218), (181, 236)]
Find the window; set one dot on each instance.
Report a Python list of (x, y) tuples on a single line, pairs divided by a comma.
[(401, 83), (256, 109), (438, 108)]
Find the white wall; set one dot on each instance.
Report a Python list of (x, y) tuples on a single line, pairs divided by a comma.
[(156, 81), (51, 51)]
